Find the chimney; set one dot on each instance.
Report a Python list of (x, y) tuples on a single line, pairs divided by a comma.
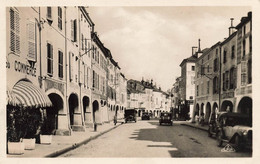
[(231, 28), (192, 53), (199, 53), (199, 50)]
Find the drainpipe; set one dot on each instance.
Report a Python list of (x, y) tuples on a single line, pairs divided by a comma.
[(219, 88), (40, 45), (66, 70)]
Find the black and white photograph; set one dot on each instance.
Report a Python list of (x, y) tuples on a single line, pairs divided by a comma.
[(130, 81)]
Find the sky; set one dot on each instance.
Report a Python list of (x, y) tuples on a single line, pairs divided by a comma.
[(151, 42)]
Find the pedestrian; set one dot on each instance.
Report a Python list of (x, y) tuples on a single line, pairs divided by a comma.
[(115, 120), (202, 119)]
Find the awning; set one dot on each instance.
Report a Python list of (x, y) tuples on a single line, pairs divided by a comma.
[(10, 98), (29, 95)]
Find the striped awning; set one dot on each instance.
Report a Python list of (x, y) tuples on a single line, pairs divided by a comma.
[(29, 95), (10, 98)]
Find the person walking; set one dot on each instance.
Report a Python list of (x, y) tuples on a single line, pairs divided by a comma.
[(115, 120)]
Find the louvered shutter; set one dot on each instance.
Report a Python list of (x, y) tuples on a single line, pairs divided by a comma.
[(75, 29), (243, 72), (71, 61), (31, 33), (81, 71), (72, 30), (17, 30)]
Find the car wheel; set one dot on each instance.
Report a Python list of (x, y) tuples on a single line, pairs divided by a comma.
[(237, 143), (171, 123), (219, 139)]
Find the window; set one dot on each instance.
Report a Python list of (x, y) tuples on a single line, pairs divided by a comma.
[(250, 44), (60, 18), (31, 33), (224, 82), (94, 79), (227, 79), (243, 72), (197, 90), (193, 68), (216, 52), (225, 56), (249, 71), (49, 14), (233, 52), (207, 87), (14, 31), (82, 42), (208, 68), (244, 49), (49, 59), (71, 65), (215, 85), (244, 30), (231, 78), (60, 64), (215, 65), (74, 30)]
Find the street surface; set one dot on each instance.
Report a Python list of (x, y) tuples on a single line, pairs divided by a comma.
[(147, 138)]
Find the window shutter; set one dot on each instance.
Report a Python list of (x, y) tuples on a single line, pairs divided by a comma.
[(75, 29), (71, 61), (31, 33), (81, 79), (52, 59), (243, 72), (17, 30), (72, 30)]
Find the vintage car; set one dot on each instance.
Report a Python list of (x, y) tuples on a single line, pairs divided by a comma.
[(166, 117), (234, 128), (145, 116), (130, 115)]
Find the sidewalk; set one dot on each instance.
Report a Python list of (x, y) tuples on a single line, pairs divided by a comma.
[(62, 144), (195, 125)]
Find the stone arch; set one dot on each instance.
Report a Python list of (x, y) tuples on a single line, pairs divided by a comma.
[(245, 106), (95, 107), (201, 109), (86, 107), (73, 107), (54, 111), (208, 112), (227, 105)]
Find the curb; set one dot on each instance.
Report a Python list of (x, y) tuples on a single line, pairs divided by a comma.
[(76, 145), (195, 127)]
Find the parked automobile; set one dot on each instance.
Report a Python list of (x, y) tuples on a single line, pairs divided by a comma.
[(234, 128), (130, 115), (166, 117), (145, 116)]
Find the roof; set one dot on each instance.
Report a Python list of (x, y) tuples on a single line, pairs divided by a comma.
[(244, 20), (99, 43), (228, 39), (190, 59)]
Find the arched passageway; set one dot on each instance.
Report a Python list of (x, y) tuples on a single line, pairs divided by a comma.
[(227, 106), (95, 107), (208, 112), (86, 109), (245, 106), (73, 107), (53, 112)]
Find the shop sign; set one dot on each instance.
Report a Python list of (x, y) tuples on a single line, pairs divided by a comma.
[(24, 68), (52, 84), (228, 95)]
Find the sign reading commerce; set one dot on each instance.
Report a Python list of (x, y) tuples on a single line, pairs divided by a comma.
[(24, 68)]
